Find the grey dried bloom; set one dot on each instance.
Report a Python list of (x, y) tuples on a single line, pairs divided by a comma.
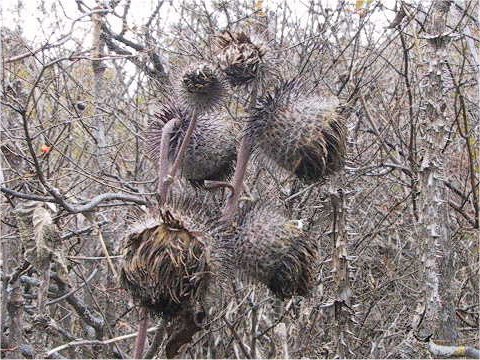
[(303, 134)]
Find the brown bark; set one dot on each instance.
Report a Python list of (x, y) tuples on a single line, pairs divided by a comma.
[(341, 274)]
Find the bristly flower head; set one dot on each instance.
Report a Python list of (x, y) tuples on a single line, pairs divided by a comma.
[(241, 59), (170, 261), (269, 248), (211, 153), (202, 88), (304, 134)]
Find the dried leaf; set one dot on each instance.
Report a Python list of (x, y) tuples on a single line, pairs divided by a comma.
[(40, 239), (41, 220)]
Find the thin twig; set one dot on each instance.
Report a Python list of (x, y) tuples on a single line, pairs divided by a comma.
[(103, 244), (97, 342), (237, 338), (156, 342)]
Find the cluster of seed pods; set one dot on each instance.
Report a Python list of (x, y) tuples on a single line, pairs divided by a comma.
[(169, 262)]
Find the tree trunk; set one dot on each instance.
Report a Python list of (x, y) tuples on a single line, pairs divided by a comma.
[(439, 319), (99, 67), (341, 274)]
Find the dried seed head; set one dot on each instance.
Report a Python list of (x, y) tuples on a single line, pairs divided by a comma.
[(275, 251), (211, 152), (169, 261), (239, 57), (163, 263), (202, 88), (303, 134)]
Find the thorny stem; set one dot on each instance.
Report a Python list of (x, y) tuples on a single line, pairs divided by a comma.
[(341, 272), (165, 178), (183, 147), (142, 334), (163, 164), (164, 182), (240, 169)]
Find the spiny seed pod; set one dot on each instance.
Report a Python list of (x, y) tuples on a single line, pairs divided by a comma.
[(202, 88), (169, 261), (239, 57), (275, 251), (211, 152), (302, 134)]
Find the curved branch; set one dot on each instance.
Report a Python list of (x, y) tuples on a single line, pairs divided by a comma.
[(159, 70), (76, 209), (95, 342)]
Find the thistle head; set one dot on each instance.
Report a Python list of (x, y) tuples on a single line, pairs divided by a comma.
[(169, 259), (211, 152), (241, 59), (275, 251), (302, 133), (202, 88)]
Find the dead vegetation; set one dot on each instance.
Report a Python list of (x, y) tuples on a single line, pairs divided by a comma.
[(268, 182)]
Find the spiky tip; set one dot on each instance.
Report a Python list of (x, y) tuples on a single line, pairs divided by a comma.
[(153, 134), (268, 105), (203, 88)]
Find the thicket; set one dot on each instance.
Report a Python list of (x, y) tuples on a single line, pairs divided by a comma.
[(352, 231)]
